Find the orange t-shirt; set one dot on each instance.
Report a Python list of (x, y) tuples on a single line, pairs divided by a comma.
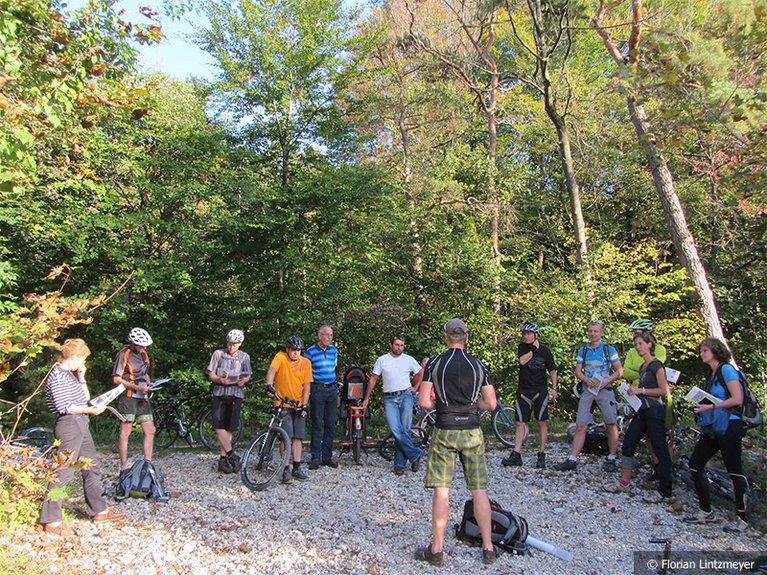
[(289, 377)]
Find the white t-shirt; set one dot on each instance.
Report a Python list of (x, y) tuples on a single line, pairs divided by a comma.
[(396, 371)]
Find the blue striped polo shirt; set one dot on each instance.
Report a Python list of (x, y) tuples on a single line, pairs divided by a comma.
[(324, 363)]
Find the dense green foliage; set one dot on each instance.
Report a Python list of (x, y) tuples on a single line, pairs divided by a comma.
[(334, 173)]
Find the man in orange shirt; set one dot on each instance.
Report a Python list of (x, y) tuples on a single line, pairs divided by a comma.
[(291, 376)]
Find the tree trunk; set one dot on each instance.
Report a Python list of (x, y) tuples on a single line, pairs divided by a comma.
[(545, 45), (662, 177), (573, 191), (415, 228), (676, 219)]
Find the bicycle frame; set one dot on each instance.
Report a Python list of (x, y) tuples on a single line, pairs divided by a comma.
[(261, 464)]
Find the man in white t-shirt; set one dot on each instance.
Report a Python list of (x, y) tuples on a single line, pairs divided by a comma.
[(396, 368)]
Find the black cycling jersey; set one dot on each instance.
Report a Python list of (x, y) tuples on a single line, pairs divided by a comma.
[(458, 378), (533, 374)]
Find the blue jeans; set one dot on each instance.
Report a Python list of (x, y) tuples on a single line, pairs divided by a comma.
[(323, 402), (399, 416)]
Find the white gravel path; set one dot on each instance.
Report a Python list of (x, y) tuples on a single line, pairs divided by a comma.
[(366, 520)]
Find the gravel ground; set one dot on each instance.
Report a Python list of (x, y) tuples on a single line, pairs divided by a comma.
[(366, 520)]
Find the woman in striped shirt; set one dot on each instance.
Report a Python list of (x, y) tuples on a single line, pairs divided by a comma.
[(67, 395)]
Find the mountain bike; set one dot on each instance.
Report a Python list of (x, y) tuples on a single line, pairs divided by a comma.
[(502, 422), (171, 422), (269, 452), (38, 438)]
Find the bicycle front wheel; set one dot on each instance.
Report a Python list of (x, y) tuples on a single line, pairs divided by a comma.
[(357, 449), (166, 427), (265, 459), (208, 435), (503, 425)]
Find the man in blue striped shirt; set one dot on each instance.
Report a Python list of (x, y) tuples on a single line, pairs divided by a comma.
[(323, 399)]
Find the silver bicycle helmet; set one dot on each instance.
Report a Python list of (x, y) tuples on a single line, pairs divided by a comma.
[(294, 342), (235, 336), (643, 324), (138, 336), (529, 326)]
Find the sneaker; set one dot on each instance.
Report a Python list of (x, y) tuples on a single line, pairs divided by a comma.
[(299, 474), (399, 470), (314, 464), (540, 463), (108, 514), (701, 517), (225, 465), (426, 554), (236, 462), (567, 465), (617, 488), (513, 460), (416, 464), (286, 474), (330, 463), (490, 555), (657, 498), (610, 465), (736, 526), (63, 530)]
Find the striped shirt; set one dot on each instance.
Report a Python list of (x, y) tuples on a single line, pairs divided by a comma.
[(324, 363), (63, 390), (234, 366)]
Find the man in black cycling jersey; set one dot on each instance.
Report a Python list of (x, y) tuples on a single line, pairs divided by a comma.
[(462, 387), (536, 364)]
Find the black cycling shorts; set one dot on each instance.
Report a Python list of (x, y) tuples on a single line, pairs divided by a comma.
[(226, 412), (532, 404)]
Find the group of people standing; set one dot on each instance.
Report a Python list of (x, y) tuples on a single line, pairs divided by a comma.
[(454, 383), (598, 368)]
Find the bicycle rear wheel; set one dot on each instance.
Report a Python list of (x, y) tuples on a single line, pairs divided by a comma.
[(166, 426), (265, 459), (208, 435), (387, 446), (503, 425), (427, 421)]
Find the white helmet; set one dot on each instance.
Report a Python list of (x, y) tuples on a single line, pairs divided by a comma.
[(235, 336), (138, 336)]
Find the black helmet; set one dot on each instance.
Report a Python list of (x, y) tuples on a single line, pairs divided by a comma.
[(294, 342)]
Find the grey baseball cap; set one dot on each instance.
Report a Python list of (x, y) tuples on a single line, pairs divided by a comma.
[(456, 326)]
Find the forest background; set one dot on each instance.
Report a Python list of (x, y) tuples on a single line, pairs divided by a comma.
[(382, 170)]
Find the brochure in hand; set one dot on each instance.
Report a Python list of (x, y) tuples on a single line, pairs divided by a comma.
[(698, 395), (632, 400), (596, 389), (108, 397), (673, 375)]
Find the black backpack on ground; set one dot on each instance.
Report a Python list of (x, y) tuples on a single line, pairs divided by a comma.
[(509, 530), (143, 481), (595, 441)]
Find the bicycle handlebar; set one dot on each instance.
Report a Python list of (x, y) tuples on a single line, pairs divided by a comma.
[(271, 392)]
